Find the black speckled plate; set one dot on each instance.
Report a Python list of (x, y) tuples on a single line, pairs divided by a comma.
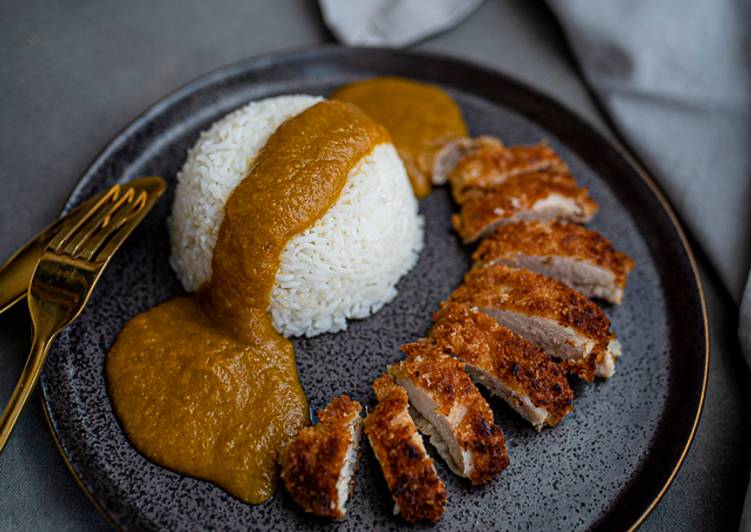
[(605, 466)]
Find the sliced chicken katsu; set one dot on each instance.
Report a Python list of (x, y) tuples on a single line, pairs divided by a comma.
[(460, 420), (506, 364), (547, 312), (319, 463), (448, 157), (488, 165), (485, 161), (418, 493), (580, 257), (533, 196)]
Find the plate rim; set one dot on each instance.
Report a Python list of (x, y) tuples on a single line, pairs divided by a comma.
[(299, 52)]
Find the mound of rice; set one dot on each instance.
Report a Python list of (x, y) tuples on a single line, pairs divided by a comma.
[(344, 266)]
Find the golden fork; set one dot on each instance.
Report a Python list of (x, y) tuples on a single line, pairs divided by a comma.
[(16, 272), (67, 272)]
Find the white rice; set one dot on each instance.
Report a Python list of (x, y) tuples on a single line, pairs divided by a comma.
[(345, 266)]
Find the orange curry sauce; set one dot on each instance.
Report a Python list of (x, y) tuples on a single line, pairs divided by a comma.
[(205, 385), (421, 119)]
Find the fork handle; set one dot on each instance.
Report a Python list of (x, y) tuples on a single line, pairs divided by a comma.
[(26, 383)]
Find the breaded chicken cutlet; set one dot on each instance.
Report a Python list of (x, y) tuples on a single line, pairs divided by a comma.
[(448, 157), (547, 312), (461, 422), (488, 165), (508, 365), (318, 464), (418, 493), (580, 257), (532, 196), (485, 161)]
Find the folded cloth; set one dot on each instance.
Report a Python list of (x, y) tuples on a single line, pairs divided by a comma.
[(392, 22), (675, 78)]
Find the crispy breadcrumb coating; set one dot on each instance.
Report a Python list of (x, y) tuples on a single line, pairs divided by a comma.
[(479, 341), (488, 164), (408, 470), (313, 460), (528, 293), (539, 195), (551, 238), (460, 403)]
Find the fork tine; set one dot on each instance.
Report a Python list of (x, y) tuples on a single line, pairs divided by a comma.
[(110, 228), (97, 223), (113, 244), (71, 228), (106, 209)]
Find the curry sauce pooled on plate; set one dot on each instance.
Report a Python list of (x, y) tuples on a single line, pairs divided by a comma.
[(421, 119), (205, 385)]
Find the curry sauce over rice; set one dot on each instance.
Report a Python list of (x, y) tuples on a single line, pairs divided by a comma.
[(205, 385)]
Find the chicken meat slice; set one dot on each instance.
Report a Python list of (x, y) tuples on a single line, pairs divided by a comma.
[(489, 164), (547, 312), (533, 196), (485, 161), (448, 157), (418, 493), (318, 465), (460, 422), (580, 257), (507, 365)]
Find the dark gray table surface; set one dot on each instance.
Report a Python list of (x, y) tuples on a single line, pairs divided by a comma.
[(74, 73)]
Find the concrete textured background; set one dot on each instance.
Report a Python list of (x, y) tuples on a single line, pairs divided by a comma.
[(73, 73)]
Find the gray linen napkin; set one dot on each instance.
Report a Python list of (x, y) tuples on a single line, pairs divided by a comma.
[(675, 78), (392, 22)]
